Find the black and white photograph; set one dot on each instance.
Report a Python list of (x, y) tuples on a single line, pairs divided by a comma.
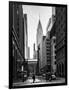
[(37, 44)]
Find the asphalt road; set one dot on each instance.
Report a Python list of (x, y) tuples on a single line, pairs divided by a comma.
[(38, 80)]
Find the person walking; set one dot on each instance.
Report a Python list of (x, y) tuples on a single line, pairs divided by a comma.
[(33, 78)]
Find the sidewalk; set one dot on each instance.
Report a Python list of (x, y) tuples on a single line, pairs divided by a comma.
[(38, 81)]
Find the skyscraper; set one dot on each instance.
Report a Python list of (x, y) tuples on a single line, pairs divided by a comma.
[(39, 33), (35, 52), (28, 52), (60, 40), (16, 15), (26, 36), (43, 61), (39, 44), (48, 52)]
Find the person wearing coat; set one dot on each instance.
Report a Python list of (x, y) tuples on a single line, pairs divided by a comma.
[(33, 78)]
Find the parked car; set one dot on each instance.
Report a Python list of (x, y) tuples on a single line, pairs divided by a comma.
[(44, 75), (53, 77)]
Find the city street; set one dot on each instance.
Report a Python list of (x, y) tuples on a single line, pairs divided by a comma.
[(38, 53), (38, 80)]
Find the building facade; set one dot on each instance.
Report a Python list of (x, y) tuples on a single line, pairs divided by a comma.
[(39, 36), (17, 39), (48, 52), (60, 40), (39, 33), (34, 52), (26, 36), (53, 49), (32, 67), (28, 52), (53, 43), (17, 36), (43, 61), (48, 45), (53, 55)]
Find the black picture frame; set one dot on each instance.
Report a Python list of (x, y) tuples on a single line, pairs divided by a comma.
[(10, 44)]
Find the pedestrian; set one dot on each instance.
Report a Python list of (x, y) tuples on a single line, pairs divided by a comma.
[(33, 78)]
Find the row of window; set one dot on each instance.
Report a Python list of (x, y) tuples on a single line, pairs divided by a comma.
[(60, 44), (61, 53), (61, 20), (61, 36)]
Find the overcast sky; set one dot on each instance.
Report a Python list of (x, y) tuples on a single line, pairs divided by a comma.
[(34, 13)]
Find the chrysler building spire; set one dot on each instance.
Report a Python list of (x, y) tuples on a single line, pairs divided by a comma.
[(39, 32)]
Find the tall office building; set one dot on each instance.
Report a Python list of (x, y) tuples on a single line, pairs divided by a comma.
[(34, 52), (39, 36), (48, 46), (60, 40), (53, 49), (53, 55), (28, 52), (49, 41), (48, 52), (53, 43), (43, 61), (26, 36), (16, 29), (39, 33)]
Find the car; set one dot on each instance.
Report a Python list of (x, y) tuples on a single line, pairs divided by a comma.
[(25, 75), (53, 77), (43, 75)]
